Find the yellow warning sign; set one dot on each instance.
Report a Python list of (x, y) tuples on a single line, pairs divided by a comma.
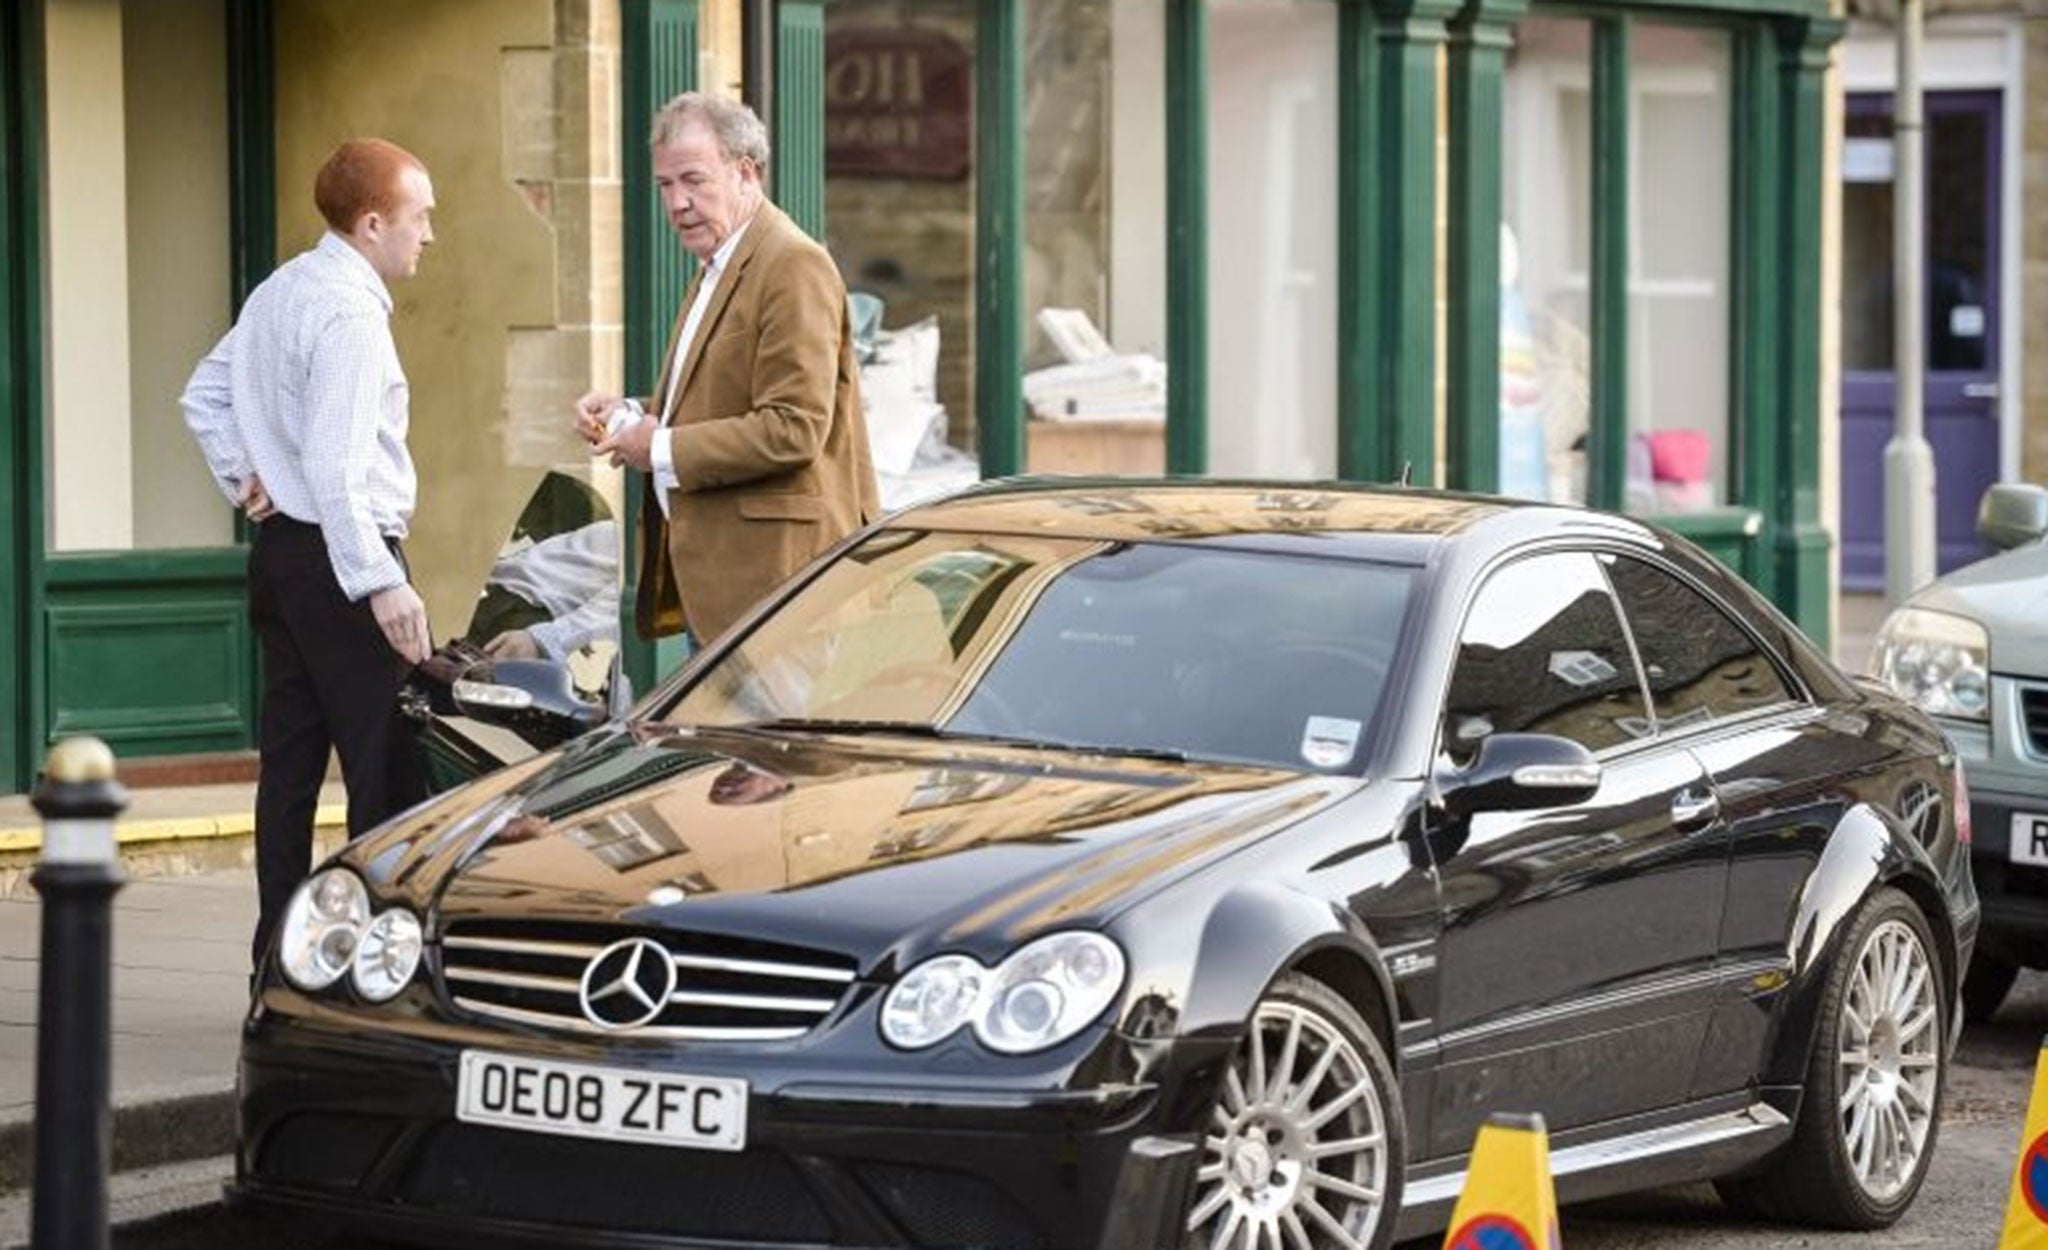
[(2026, 1212), (1508, 1202)]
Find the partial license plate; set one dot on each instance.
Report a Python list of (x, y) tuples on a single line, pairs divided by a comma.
[(2030, 838), (613, 1104)]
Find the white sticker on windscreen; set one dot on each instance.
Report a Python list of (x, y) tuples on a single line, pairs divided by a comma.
[(1328, 741)]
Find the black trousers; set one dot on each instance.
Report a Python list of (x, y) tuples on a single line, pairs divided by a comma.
[(330, 680)]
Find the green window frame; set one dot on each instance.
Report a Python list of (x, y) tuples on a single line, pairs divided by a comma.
[(657, 62)]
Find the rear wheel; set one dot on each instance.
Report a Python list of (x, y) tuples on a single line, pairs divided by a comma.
[(1986, 985), (1870, 1114), (1305, 1144)]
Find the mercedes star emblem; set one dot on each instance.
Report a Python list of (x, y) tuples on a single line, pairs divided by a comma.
[(628, 984)]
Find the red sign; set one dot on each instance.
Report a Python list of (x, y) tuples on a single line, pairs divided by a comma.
[(898, 103)]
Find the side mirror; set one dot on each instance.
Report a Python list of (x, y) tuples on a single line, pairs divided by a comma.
[(535, 699), (1516, 772), (618, 688), (2012, 514)]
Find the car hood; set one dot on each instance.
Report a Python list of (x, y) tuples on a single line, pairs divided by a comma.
[(2008, 594), (874, 847)]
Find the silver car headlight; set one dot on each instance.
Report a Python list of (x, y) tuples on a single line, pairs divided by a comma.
[(1040, 996), (317, 939), (388, 954), (328, 931), (931, 1003), (1938, 661)]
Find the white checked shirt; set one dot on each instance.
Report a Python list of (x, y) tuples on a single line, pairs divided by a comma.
[(662, 452), (306, 392)]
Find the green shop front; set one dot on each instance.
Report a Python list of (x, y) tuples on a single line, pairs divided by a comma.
[(1560, 251), (1570, 252)]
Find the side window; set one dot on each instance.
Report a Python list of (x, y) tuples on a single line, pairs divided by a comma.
[(1699, 663), (1543, 651)]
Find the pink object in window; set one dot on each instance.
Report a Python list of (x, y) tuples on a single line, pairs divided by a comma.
[(1679, 455)]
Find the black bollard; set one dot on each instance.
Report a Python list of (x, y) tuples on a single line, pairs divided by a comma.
[(77, 875)]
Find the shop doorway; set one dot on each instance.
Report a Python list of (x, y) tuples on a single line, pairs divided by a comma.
[(1962, 272)]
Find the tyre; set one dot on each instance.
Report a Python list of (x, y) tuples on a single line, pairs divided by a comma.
[(1985, 987), (1871, 1111), (1305, 1145)]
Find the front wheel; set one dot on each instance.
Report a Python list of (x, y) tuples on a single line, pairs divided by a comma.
[(1871, 1110), (1305, 1145)]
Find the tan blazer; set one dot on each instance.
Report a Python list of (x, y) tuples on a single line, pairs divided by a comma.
[(771, 448)]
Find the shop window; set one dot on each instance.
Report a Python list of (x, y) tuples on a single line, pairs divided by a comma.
[(139, 278), (1094, 237), (1546, 260), (1678, 305), (1273, 238), (899, 220), (900, 136)]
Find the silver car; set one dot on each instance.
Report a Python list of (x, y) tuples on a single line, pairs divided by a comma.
[(1972, 649)]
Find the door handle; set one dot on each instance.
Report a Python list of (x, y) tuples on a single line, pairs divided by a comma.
[(1693, 810), (1980, 390)]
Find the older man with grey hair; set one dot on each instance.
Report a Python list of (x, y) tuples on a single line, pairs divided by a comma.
[(754, 444)]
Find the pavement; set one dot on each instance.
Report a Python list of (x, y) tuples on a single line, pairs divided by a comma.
[(181, 929), (181, 949)]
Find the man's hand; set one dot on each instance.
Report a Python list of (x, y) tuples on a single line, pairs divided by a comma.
[(403, 618), (255, 500), (632, 445), (591, 411), (514, 644)]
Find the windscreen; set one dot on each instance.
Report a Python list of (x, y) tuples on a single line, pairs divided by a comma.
[(1196, 650)]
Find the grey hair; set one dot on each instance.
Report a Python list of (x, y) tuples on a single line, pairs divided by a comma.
[(737, 128)]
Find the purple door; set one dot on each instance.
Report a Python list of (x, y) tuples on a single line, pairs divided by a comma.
[(1962, 274)]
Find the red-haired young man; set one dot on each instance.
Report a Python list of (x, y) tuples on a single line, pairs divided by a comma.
[(301, 413)]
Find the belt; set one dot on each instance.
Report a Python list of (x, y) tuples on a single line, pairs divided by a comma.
[(279, 523)]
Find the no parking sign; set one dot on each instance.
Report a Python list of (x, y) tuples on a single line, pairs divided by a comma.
[(2026, 1212), (1508, 1202), (1491, 1232)]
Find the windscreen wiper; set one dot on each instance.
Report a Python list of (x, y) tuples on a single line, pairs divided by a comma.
[(923, 729)]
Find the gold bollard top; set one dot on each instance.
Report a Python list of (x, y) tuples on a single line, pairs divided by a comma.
[(79, 761), (78, 798)]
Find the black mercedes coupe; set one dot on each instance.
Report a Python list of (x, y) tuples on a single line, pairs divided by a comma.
[(1101, 865)]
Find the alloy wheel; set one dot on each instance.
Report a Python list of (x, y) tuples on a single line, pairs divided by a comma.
[(1295, 1154), (1890, 1060)]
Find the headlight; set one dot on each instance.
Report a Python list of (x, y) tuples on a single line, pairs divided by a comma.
[(328, 930), (1936, 660), (388, 955), (1038, 997), (932, 1002)]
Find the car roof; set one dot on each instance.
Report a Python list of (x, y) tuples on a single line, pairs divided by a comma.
[(1396, 523)]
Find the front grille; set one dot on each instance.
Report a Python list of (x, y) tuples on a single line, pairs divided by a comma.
[(727, 989), (2034, 715), (750, 1196), (949, 1210)]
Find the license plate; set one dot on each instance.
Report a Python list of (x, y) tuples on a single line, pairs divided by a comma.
[(2030, 838), (612, 1104)]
